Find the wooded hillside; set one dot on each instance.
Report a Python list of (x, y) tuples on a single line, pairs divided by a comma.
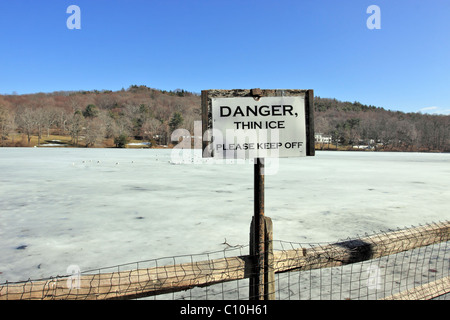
[(105, 119), (355, 123), (98, 118)]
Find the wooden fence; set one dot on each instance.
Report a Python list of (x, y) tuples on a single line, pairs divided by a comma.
[(173, 278)]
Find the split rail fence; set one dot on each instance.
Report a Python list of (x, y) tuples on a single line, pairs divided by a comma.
[(412, 263)]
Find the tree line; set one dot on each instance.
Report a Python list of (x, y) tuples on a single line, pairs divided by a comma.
[(354, 123), (106, 119), (98, 118)]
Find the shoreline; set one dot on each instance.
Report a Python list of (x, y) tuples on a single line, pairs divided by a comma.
[(172, 147)]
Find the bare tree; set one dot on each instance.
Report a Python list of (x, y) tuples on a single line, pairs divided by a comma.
[(188, 122), (76, 126), (26, 121), (105, 100), (108, 123), (95, 131), (62, 117), (123, 125), (40, 120), (5, 119), (50, 118), (12, 127), (150, 128)]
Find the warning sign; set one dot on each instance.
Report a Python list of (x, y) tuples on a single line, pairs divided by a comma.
[(257, 127)]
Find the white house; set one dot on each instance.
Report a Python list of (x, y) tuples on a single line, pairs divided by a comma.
[(322, 138)]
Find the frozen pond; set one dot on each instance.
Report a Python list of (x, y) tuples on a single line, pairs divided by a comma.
[(102, 207)]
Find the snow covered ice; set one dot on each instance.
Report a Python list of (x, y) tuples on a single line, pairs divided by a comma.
[(96, 208)]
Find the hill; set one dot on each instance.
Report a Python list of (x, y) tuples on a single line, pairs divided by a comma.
[(106, 118), (355, 124)]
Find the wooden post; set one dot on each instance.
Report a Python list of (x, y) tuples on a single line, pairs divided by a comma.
[(269, 271), (262, 285), (259, 228)]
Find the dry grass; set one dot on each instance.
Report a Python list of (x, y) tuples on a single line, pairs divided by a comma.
[(21, 140)]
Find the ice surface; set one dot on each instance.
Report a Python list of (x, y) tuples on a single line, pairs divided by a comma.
[(102, 207)]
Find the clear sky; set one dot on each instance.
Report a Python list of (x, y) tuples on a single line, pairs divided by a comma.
[(323, 45)]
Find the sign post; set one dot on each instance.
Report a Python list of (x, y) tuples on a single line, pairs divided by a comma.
[(258, 124), (257, 235)]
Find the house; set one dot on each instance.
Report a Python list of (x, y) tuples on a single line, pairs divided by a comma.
[(322, 138)]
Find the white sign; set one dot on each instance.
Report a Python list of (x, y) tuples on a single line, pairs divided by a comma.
[(268, 127)]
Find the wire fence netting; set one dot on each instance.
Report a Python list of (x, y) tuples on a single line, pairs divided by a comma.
[(412, 263), (371, 279)]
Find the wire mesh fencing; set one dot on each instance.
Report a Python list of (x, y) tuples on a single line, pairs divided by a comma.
[(380, 278), (412, 263)]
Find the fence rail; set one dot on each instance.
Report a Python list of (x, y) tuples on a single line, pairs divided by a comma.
[(427, 291), (163, 279)]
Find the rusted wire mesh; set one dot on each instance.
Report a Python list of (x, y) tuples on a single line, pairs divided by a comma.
[(412, 263)]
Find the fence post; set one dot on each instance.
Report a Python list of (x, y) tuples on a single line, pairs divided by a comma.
[(261, 250), (262, 281), (269, 271)]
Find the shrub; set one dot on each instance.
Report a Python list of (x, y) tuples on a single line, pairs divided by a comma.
[(121, 141)]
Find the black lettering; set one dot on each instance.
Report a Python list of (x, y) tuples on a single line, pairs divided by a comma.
[(254, 111), (271, 124), (264, 110), (246, 125), (238, 111), (225, 108), (276, 111), (287, 109)]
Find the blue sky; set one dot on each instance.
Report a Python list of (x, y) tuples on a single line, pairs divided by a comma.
[(323, 45)]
